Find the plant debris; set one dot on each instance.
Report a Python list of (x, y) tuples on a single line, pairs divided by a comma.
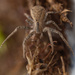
[(38, 52)]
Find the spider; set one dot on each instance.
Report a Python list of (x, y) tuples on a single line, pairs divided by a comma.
[(39, 16)]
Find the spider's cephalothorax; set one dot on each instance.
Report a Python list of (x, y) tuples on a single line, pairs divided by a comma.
[(38, 15)]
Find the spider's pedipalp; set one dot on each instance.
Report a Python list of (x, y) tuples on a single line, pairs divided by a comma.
[(28, 17), (29, 22)]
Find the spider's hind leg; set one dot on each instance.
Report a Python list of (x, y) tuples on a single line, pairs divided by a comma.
[(61, 35)]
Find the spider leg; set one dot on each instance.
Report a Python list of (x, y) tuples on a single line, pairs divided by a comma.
[(50, 12), (28, 17), (62, 37), (24, 42), (29, 21), (50, 37), (19, 27), (48, 22)]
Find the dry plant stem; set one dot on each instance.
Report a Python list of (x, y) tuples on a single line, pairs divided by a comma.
[(47, 47), (30, 3), (59, 71), (34, 68), (36, 53), (16, 29), (47, 55), (53, 64), (63, 66), (50, 50), (51, 60), (31, 63), (62, 12), (64, 18)]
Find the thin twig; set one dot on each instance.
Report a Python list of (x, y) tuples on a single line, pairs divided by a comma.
[(63, 66), (59, 71), (51, 60)]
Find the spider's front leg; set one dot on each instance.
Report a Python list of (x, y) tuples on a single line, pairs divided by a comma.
[(16, 29), (24, 42), (47, 13), (60, 34), (49, 22)]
